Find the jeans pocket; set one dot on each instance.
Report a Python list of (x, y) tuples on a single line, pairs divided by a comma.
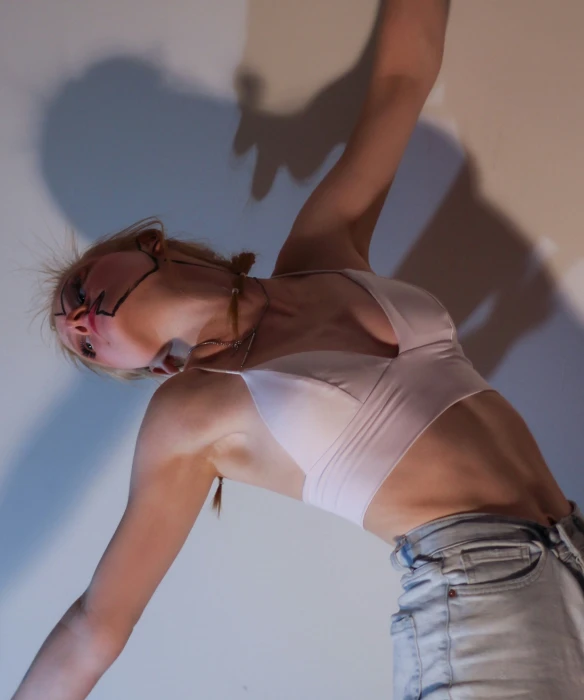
[(494, 566), (407, 666)]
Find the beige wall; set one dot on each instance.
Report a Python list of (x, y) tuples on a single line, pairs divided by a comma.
[(510, 89), (513, 82)]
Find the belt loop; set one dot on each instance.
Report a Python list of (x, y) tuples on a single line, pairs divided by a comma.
[(395, 556), (398, 554), (570, 545), (399, 542)]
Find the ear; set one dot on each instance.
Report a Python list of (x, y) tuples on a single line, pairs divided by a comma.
[(151, 242)]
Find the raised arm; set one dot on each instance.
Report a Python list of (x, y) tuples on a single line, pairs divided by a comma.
[(172, 474), (345, 206)]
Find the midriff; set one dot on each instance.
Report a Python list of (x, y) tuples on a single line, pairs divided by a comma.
[(478, 456)]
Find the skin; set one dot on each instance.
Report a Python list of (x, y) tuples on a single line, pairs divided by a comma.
[(181, 440)]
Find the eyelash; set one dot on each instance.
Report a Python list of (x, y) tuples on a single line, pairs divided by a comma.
[(83, 346), (86, 351), (76, 284)]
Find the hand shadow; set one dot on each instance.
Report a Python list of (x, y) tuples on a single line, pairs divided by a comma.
[(300, 141)]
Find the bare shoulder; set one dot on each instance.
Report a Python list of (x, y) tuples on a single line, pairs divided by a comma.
[(189, 413)]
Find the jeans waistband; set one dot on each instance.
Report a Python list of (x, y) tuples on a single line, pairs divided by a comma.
[(471, 527)]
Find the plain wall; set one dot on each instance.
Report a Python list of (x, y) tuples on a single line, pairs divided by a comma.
[(221, 118)]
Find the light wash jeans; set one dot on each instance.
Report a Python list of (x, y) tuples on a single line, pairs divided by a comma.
[(492, 607)]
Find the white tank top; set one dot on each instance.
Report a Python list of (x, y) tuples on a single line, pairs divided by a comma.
[(347, 418)]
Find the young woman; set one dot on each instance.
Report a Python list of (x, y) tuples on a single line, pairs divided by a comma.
[(331, 385)]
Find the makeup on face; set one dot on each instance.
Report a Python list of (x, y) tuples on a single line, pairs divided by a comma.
[(108, 299), (73, 294), (111, 293)]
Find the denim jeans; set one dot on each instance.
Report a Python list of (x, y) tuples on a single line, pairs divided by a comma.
[(492, 607)]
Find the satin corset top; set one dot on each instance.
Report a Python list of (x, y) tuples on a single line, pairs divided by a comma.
[(347, 418)]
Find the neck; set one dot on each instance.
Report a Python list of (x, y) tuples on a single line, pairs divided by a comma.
[(200, 297)]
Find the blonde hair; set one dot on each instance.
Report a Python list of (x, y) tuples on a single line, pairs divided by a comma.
[(56, 272)]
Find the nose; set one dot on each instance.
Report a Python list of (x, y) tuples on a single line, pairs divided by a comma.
[(75, 321)]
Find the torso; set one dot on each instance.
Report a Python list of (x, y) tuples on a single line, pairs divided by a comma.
[(479, 455)]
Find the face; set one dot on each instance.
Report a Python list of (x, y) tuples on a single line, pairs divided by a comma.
[(104, 309)]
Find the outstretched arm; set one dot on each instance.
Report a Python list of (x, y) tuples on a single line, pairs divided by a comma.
[(69, 663), (171, 477), (345, 206)]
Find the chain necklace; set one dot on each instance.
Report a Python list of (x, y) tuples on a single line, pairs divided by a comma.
[(236, 344)]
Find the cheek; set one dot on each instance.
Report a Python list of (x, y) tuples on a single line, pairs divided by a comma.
[(116, 274)]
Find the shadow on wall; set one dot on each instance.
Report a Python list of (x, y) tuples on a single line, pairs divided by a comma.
[(121, 143), (302, 140)]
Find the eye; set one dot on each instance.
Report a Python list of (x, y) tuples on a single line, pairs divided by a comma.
[(87, 349), (79, 293)]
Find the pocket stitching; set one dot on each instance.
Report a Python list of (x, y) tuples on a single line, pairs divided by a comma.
[(470, 558), (398, 624), (531, 577), (513, 551)]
